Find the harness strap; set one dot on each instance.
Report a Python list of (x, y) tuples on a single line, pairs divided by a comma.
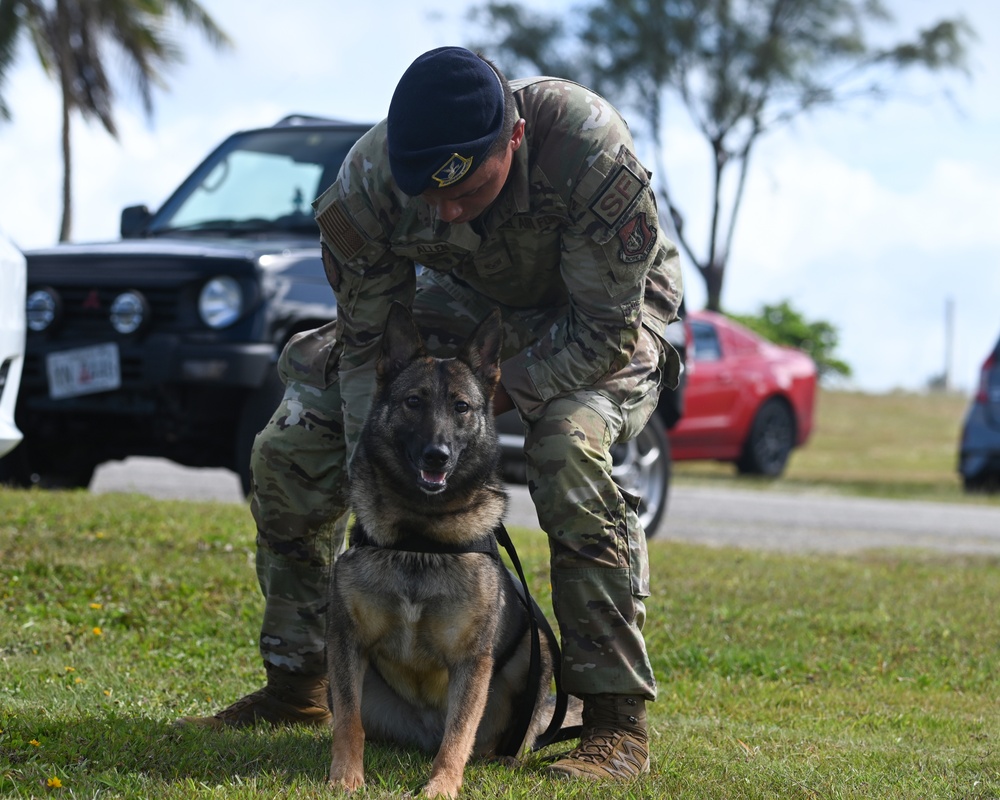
[(413, 542), (555, 732)]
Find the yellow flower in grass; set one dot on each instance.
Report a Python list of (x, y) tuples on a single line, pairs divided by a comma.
[(35, 743), (98, 632), (54, 783), (96, 606)]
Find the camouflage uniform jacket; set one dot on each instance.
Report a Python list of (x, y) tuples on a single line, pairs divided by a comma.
[(575, 225)]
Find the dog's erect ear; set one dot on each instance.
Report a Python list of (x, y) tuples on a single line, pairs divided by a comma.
[(482, 350), (401, 343)]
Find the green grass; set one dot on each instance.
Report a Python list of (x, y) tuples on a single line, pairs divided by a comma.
[(781, 676)]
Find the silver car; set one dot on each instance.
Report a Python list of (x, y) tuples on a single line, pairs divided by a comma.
[(12, 331)]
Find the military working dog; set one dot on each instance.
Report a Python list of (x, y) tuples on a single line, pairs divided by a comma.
[(429, 641)]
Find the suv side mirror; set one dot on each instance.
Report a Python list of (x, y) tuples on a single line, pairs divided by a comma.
[(134, 221)]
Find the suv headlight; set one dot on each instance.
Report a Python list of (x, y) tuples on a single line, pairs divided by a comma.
[(129, 311), (42, 308), (221, 302)]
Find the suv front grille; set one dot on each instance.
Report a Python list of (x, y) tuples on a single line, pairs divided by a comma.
[(87, 286), (86, 309)]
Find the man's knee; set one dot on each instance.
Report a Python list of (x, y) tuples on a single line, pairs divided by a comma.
[(298, 464), (570, 435), (569, 477)]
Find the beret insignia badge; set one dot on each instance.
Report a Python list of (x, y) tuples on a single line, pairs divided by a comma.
[(452, 171)]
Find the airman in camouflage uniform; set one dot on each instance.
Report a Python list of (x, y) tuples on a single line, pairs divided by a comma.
[(553, 221)]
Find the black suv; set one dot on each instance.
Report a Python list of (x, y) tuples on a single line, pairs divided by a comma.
[(164, 343)]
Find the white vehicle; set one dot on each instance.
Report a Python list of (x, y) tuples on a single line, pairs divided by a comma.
[(12, 331)]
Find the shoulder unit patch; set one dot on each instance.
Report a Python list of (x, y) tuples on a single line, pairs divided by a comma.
[(637, 237)]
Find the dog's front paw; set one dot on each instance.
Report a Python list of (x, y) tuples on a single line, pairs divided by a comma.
[(440, 786), (345, 777)]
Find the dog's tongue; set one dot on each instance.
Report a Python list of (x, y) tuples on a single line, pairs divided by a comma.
[(432, 477)]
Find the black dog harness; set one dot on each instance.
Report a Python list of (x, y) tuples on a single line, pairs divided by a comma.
[(414, 542)]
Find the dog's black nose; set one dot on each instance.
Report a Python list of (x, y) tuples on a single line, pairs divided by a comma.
[(435, 456)]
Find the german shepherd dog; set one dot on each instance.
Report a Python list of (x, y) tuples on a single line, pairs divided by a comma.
[(428, 641)]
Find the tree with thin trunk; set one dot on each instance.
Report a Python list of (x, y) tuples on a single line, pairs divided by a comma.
[(73, 38), (740, 69)]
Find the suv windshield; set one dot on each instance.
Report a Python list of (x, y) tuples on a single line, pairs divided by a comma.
[(259, 181)]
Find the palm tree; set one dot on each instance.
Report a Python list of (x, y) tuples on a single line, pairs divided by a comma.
[(72, 38)]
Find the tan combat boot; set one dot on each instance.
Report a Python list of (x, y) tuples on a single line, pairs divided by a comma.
[(614, 742), (287, 699)]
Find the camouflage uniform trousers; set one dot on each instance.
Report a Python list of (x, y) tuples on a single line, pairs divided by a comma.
[(599, 566)]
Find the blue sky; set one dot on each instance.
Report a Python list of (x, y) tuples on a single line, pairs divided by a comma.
[(873, 217)]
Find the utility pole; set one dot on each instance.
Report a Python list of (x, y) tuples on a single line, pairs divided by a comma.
[(949, 335)]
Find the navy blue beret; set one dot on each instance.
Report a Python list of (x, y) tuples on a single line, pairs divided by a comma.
[(445, 114)]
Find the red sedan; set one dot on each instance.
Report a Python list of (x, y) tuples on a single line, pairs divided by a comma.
[(747, 400)]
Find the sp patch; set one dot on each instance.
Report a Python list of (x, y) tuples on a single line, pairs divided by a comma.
[(452, 171), (617, 195), (637, 237)]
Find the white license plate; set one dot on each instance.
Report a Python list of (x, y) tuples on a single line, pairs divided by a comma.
[(85, 370)]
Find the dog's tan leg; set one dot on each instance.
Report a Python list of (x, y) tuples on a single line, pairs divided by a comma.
[(347, 668), (347, 769), (347, 764), (469, 685)]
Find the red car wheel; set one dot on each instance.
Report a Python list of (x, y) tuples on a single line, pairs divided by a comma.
[(771, 439)]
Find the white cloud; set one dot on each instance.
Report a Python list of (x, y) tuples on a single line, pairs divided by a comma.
[(879, 262)]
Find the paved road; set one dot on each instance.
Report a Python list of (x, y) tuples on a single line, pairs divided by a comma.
[(769, 520), (822, 523)]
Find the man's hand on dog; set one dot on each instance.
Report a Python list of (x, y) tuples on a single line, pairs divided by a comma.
[(501, 401)]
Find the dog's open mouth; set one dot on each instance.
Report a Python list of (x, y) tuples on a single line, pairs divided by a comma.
[(433, 481)]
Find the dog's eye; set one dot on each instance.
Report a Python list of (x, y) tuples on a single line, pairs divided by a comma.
[(413, 401), (461, 407)]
